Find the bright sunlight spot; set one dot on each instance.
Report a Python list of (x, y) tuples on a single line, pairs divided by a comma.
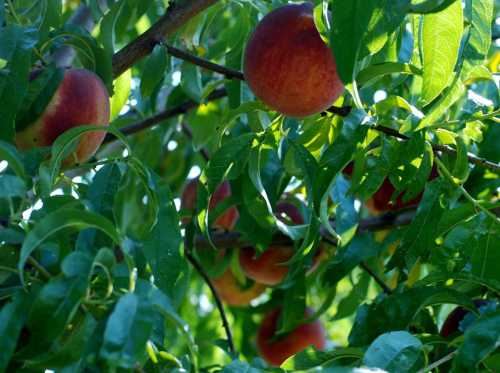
[(379, 96), (176, 78), (172, 145), (194, 172), (478, 99), (3, 165)]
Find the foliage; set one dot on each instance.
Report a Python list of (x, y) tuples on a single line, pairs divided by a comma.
[(95, 260)]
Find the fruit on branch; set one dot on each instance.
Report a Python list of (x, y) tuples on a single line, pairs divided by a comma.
[(80, 99), (269, 267), (288, 66), (276, 350), (452, 323), (226, 220), (233, 293), (380, 201)]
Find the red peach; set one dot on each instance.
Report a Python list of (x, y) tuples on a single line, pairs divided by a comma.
[(80, 99), (231, 292), (287, 64), (275, 352), (227, 220), (269, 267)]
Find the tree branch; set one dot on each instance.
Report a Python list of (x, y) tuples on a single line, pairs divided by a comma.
[(218, 302), (206, 64), (166, 114), (444, 149), (176, 16), (376, 277)]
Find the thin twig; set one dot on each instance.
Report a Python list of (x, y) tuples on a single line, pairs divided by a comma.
[(189, 134), (439, 362), (39, 268), (166, 114), (218, 302), (177, 15), (443, 148), (376, 277), (206, 64)]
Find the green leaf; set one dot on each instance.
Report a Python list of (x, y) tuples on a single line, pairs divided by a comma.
[(294, 306), (476, 50), (349, 23), (397, 352), (348, 305), (375, 71), (107, 34), (121, 88), (361, 247), (16, 45), (63, 146), (154, 70), (419, 238), (128, 328), (430, 6), (442, 33), (54, 308), (346, 216), (191, 81), (70, 349), (237, 366), (397, 311), (12, 318), (162, 248), (311, 358), (480, 339), (59, 220), (11, 186), (40, 92), (485, 255)]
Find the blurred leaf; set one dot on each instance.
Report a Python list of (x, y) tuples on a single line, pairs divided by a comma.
[(191, 81), (70, 349), (294, 306), (346, 216), (420, 235), (431, 6), (11, 186), (154, 70), (395, 352), (12, 318), (485, 257), (348, 305), (312, 358), (361, 247), (397, 311), (378, 70), (480, 339), (59, 220), (442, 33), (237, 366), (128, 328), (16, 46)]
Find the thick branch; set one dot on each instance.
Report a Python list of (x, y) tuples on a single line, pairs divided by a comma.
[(176, 16)]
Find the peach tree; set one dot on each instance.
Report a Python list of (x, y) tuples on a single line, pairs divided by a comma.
[(249, 186)]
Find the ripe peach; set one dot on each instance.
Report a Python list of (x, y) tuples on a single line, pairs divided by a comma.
[(381, 200), (80, 99), (287, 64), (275, 352), (269, 268), (452, 323), (225, 221), (231, 292)]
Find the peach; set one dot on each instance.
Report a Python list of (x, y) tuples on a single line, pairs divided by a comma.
[(288, 66), (276, 351), (269, 267), (227, 220), (80, 99), (232, 293), (452, 323)]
